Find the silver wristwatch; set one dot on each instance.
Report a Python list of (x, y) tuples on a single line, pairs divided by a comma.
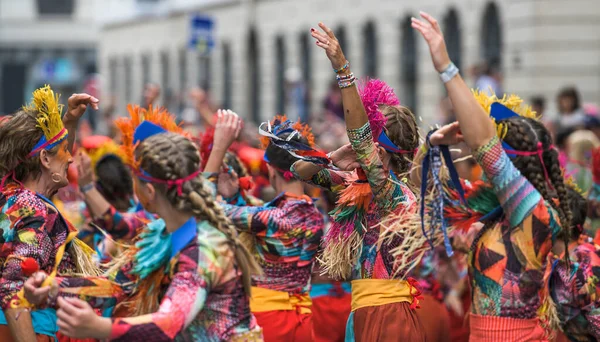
[(450, 72)]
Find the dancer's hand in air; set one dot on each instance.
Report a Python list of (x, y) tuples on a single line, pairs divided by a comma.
[(447, 135), (33, 290), (345, 158), (430, 29), (227, 130), (328, 42), (77, 104), (77, 319)]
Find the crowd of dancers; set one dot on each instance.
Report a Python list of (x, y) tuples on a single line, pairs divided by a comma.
[(159, 235)]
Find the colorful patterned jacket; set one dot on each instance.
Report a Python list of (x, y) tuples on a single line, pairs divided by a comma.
[(390, 195), (288, 232), (31, 228), (508, 258), (201, 293)]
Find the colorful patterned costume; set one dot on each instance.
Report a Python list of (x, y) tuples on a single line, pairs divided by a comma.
[(201, 295), (287, 232), (389, 195), (31, 228), (576, 292)]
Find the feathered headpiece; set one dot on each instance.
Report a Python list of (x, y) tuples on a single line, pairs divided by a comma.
[(156, 119), (49, 118), (109, 148), (271, 132)]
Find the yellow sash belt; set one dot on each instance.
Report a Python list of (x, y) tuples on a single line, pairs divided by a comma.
[(376, 292), (270, 300)]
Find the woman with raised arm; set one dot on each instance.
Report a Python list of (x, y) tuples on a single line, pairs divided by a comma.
[(187, 278), (383, 138), (286, 231), (35, 153), (526, 201)]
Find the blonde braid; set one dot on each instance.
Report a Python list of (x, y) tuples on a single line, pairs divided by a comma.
[(171, 156)]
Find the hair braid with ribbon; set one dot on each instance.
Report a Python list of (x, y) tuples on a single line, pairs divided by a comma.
[(170, 156)]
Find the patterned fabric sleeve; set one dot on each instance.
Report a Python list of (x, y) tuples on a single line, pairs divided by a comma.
[(516, 194), (30, 241), (576, 292), (327, 179), (385, 192), (255, 219), (195, 273), (121, 225)]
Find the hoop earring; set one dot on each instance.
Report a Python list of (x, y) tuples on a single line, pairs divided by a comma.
[(56, 174)]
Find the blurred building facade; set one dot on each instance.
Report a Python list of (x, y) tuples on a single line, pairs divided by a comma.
[(540, 46), (45, 41)]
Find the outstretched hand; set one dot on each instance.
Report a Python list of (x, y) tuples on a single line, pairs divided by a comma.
[(447, 135), (328, 42), (430, 30), (77, 104), (345, 158)]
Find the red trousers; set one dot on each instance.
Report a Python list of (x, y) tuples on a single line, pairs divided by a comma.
[(330, 314), (285, 325)]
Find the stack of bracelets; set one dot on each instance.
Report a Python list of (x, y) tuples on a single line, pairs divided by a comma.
[(345, 81)]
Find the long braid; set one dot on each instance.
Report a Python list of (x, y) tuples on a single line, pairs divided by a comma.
[(171, 156), (524, 134)]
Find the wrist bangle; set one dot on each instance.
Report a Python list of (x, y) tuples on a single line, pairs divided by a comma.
[(450, 72), (346, 66), (86, 188)]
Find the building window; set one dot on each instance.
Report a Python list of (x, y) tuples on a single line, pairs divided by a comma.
[(146, 69), (408, 60), (227, 89), (452, 35), (164, 79), (55, 7), (306, 46), (204, 74), (253, 58), (340, 33), (280, 75), (491, 37), (370, 49), (128, 65), (112, 74), (182, 71)]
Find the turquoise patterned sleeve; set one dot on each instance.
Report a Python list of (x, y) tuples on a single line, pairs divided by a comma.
[(516, 194), (386, 193)]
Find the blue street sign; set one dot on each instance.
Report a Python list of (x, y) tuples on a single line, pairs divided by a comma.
[(201, 34)]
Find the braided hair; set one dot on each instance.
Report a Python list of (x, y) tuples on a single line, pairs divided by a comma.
[(579, 207), (524, 134), (170, 156), (402, 129)]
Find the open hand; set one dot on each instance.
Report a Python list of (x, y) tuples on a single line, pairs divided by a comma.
[(447, 135), (77, 104), (77, 319), (227, 129), (345, 158), (33, 290), (328, 42), (430, 30)]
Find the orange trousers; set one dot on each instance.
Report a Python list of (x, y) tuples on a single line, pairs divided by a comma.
[(330, 314)]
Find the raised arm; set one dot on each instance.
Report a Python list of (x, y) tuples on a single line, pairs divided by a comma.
[(227, 129), (76, 106), (475, 124)]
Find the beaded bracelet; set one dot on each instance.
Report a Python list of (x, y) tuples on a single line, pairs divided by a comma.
[(344, 77), (346, 84), (346, 66)]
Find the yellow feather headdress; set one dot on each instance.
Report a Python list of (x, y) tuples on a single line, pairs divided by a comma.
[(106, 149), (512, 102), (49, 117)]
